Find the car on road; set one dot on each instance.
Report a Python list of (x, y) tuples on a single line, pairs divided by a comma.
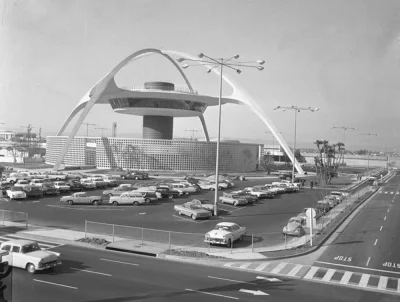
[(49, 189), (205, 204), (61, 186), (233, 199), (225, 233), (33, 191), (193, 211), (129, 198), (15, 193), (88, 184), (27, 254), (294, 227), (82, 198), (116, 191)]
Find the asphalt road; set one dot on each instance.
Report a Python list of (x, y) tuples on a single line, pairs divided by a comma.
[(370, 244), (267, 216), (96, 275)]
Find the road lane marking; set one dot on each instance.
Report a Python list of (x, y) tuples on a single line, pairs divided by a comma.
[(92, 272), (388, 210), (278, 268), (328, 275), (262, 266), (346, 277), (364, 280), (197, 291), (58, 284), (376, 241), (381, 228), (369, 258), (231, 280), (119, 262), (384, 218), (245, 265), (311, 272), (360, 267), (295, 270), (382, 282)]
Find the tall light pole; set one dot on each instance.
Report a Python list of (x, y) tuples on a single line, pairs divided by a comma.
[(369, 144), (344, 128), (295, 109), (212, 63), (193, 131), (87, 127), (102, 129)]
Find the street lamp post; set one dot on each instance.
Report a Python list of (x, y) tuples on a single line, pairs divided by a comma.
[(369, 145), (213, 63), (295, 109), (102, 129), (344, 137), (87, 127)]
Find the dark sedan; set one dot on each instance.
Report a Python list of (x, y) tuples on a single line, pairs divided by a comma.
[(49, 189), (75, 185), (33, 191)]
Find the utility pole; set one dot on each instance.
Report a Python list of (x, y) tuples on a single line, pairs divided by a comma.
[(28, 133), (193, 131), (369, 144), (87, 127), (102, 129)]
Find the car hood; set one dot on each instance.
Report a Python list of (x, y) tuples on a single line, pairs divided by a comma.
[(292, 226), (45, 256), (218, 233)]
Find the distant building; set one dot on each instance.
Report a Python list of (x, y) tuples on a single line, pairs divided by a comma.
[(6, 135)]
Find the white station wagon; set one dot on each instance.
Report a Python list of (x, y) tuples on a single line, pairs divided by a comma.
[(27, 254)]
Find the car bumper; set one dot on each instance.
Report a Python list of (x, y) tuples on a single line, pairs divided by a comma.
[(215, 241), (48, 265), (19, 197)]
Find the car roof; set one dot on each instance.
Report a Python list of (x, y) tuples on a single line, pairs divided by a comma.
[(226, 224), (19, 242)]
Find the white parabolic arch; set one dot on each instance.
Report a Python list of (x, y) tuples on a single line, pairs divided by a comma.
[(98, 94)]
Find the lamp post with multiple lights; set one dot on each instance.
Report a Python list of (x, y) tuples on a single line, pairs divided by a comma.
[(369, 144), (295, 109), (213, 63)]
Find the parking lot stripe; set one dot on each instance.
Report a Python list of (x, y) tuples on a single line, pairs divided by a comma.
[(382, 282), (346, 277), (92, 272), (245, 265), (295, 270), (364, 280), (262, 266), (328, 275), (119, 262), (311, 272), (279, 267), (62, 285)]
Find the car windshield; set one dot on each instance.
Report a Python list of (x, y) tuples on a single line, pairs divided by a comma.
[(195, 207), (30, 248), (61, 183), (16, 189), (49, 186), (223, 228)]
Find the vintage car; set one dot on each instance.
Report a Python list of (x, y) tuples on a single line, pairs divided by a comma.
[(232, 199), (259, 193), (134, 175), (166, 192), (61, 186), (324, 206), (339, 193), (37, 182), (116, 191), (111, 181), (161, 185), (49, 189), (318, 214), (205, 204), (88, 184), (98, 181), (6, 184), (333, 200), (294, 227), (82, 198), (228, 182), (27, 254), (193, 211), (250, 198), (339, 198), (187, 189), (16, 193), (33, 191), (129, 198), (150, 192), (290, 187), (225, 233), (210, 185), (22, 183), (75, 185), (55, 175), (75, 175)]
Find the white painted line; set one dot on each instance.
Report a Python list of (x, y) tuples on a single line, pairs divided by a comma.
[(364, 280), (376, 241), (62, 285), (279, 267), (398, 286), (262, 266), (188, 219), (383, 282), (360, 267), (231, 280), (229, 264), (245, 265), (391, 192), (328, 275), (346, 277), (311, 272), (92, 272), (369, 258), (119, 262), (295, 270), (384, 218), (388, 210), (197, 291), (381, 228), (386, 192)]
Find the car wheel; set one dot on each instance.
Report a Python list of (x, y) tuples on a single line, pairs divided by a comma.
[(31, 268), (136, 178), (70, 202), (179, 213), (110, 194), (235, 203), (228, 244), (95, 202), (147, 200), (170, 196), (58, 179), (135, 203), (241, 237), (193, 217), (115, 203), (123, 177)]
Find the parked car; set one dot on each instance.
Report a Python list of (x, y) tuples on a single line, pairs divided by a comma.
[(116, 191), (187, 189), (61, 186), (22, 183), (333, 200), (166, 192), (129, 187), (129, 198), (82, 198), (193, 211), (55, 175), (260, 194), (210, 186), (285, 175), (6, 184), (111, 181), (75, 185), (75, 175), (33, 191), (88, 184), (205, 204), (135, 175), (151, 192), (340, 194), (37, 182), (225, 233), (323, 206), (15, 193), (49, 189), (98, 181), (27, 254), (176, 192), (273, 189), (294, 227), (318, 214), (233, 199), (250, 198)]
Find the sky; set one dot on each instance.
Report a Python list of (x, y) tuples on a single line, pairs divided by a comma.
[(339, 56)]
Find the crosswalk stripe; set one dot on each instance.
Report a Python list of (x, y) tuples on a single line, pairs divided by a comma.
[(311, 272), (398, 286), (346, 277), (245, 265), (328, 275), (277, 269), (364, 280), (391, 192), (229, 264), (295, 270), (262, 266), (382, 282)]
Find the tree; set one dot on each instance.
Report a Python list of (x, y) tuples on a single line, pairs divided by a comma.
[(267, 163), (328, 160)]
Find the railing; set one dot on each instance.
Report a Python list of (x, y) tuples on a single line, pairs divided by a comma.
[(14, 219), (178, 89)]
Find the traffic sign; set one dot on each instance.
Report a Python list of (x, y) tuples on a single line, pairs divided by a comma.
[(310, 213)]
